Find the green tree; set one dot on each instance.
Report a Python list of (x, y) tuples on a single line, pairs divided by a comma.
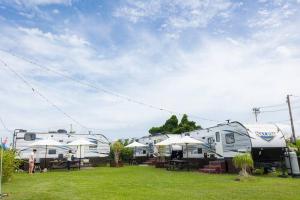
[(117, 148), (243, 161), (126, 153), (10, 164), (172, 126), (154, 130)]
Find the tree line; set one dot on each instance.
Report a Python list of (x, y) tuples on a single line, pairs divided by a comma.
[(173, 126)]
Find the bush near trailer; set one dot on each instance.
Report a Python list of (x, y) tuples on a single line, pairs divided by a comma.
[(295, 146), (10, 164), (126, 154), (243, 162), (116, 149)]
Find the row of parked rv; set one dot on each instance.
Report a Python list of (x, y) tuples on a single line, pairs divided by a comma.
[(266, 142), (23, 139)]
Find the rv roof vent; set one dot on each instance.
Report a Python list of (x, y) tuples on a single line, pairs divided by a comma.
[(61, 131)]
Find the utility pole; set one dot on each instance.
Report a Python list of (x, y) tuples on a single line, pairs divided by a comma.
[(256, 111), (291, 118)]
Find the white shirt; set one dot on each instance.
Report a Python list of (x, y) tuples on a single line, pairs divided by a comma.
[(69, 156)]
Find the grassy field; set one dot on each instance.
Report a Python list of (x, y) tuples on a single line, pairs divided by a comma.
[(146, 183)]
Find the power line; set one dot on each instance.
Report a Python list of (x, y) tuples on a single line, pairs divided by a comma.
[(281, 121), (272, 106), (84, 83), (279, 110), (34, 90), (270, 111), (276, 105), (3, 124)]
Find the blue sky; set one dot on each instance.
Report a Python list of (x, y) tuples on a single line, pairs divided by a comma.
[(213, 59)]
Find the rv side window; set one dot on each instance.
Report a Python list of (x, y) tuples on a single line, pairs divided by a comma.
[(199, 150), (217, 137), (93, 147), (229, 138), (144, 151), (29, 136), (210, 140), (52, 151)]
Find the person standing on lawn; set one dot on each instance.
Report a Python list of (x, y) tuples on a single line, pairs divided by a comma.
[(31, 161), (69, 159)]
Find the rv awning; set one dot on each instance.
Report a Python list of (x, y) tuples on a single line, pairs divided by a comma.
[(46, 142), (187, 140), (81, 142)]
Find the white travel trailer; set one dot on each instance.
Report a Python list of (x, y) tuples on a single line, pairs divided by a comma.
[(22, 140), (266, 142)]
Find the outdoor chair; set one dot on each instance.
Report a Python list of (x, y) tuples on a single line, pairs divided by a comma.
[(37, 167)]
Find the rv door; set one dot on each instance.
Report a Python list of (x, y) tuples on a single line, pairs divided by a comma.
[(219, 146)]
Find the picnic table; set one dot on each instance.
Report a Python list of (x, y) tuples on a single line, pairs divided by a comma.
[(178, 165), (133, 161), (62, 164)]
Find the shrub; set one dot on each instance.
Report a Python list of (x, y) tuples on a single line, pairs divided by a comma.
[(126, 154), (296, 146), (10, 164), (243, 162), (117, 148)]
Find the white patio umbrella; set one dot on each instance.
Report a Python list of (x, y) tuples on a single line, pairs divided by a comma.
[(135, 145), (46, 143), (169, 142), (165, 142), (186, 140), (79, 143)]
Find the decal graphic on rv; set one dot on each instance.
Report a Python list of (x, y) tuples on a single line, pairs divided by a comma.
[(268, 136)]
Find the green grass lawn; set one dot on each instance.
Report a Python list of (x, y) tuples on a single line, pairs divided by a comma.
[(146, 183)]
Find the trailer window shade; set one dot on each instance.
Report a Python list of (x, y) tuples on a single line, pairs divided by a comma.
[(229, 138), (29, 136)]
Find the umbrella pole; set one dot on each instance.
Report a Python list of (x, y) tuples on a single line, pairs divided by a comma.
[(79, 156), (45, 158), (187, 151), (187, 156)]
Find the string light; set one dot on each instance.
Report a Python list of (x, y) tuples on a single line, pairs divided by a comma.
[(98, 88), (34, 90)]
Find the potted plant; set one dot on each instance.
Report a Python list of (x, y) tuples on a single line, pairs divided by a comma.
[(244, 162)]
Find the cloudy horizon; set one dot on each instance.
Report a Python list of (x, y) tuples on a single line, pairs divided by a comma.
[(210, 59)]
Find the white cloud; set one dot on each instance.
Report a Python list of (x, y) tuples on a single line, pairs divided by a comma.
[(40, 2), (274, 14), (211, 81), (218, 77), (136, 10), (55, 11), (176, 14)]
